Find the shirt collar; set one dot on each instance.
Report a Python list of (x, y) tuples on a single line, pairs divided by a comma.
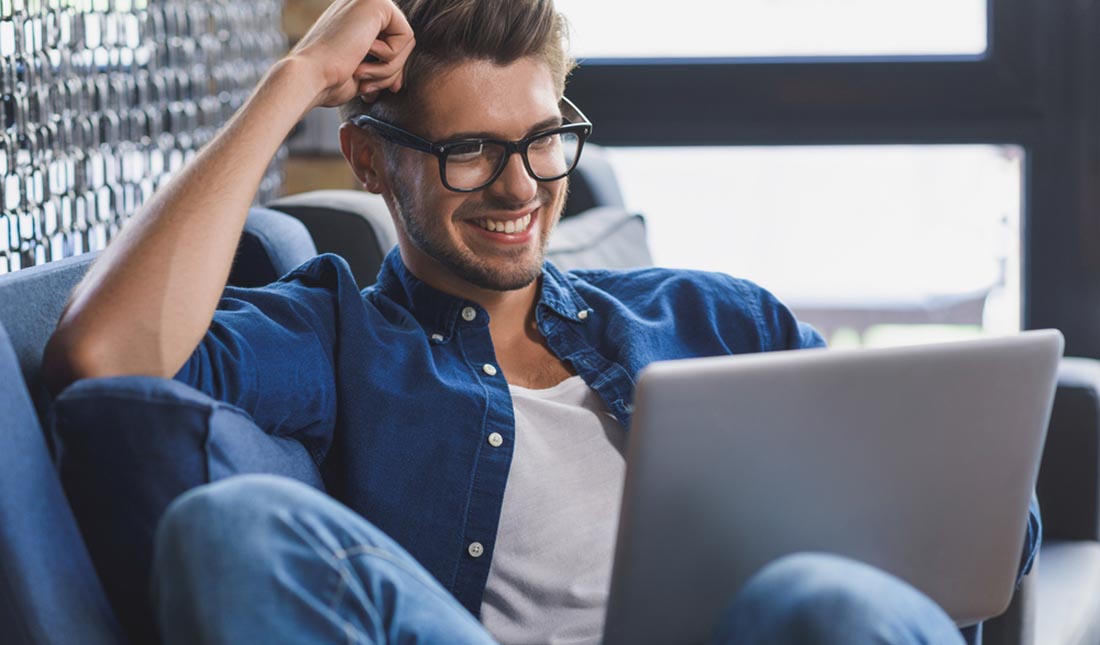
[(441, 312)]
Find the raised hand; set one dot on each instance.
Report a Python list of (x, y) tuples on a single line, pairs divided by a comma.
[(359, 48)]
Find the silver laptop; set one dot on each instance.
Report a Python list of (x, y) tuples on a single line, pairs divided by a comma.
[(918, 460)]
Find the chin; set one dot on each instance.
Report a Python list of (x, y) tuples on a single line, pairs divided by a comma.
[(492, 280)]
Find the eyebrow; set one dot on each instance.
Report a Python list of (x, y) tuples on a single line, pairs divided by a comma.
[(545, 124)]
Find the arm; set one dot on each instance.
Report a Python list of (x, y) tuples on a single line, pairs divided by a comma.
[(1033, 539), (150, 297)]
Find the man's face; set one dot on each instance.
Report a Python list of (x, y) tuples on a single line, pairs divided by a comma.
[(446, 235)]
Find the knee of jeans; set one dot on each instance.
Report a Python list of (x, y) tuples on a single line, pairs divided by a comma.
[(202, 518), (816, 589), (814, 575)]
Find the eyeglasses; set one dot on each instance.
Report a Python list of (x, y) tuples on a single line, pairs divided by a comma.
[(470, 165)]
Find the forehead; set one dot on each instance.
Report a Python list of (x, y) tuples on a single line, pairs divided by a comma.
[(480, 96)]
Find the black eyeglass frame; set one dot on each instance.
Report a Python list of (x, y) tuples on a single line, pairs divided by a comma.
[(576, 123)]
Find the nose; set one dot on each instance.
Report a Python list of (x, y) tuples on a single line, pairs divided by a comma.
[(515, 184)]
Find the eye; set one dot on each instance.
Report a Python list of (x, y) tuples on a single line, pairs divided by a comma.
[(465, 151), (545, 141)]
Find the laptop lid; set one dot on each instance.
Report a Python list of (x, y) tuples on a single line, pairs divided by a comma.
[(918, 460)]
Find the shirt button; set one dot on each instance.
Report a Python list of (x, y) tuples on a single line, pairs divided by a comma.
[(475, 550), (495, 440), (469, 313), (582, 314), (437, 338), (489, 369)]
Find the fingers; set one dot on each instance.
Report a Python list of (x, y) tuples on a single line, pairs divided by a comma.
[(334, 45), (396, 32), (391, 48), (390, 60), (387, 73)]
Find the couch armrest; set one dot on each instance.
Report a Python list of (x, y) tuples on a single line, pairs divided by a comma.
[(129, 445), (1069, 478), (1017, 625)]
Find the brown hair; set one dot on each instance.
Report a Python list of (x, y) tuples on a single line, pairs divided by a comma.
[(448, 32)]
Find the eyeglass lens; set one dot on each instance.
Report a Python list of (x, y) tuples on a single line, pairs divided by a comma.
[(473, 165)]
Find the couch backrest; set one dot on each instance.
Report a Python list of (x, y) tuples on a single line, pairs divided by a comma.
[(31, 300), (49, 592), (593, 184), (272, 244), (595, 232), (353, 224)]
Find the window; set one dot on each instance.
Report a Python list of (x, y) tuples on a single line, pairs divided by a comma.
[(1033, 88), (858, 240), (775, 28)]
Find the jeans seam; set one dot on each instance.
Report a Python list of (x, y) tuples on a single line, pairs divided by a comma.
[(339, 565), (338, 558), (429, 584)]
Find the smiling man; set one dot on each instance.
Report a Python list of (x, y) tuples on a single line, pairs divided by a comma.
[(470, 410)]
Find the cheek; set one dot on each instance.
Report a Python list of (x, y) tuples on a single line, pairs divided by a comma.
[(426, 199), (556, 199)]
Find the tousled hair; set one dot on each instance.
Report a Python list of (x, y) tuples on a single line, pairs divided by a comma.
[(448, 32)]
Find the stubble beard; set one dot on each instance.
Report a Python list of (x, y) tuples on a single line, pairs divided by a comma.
[(463, 263)]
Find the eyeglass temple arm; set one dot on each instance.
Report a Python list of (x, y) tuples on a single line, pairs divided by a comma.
[(395, 134)]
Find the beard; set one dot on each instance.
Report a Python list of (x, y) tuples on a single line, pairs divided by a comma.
[(520, 268)]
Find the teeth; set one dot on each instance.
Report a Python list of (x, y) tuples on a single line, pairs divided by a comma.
[(511, 226)]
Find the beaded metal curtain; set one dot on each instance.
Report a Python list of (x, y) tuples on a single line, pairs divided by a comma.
[(101, 101)]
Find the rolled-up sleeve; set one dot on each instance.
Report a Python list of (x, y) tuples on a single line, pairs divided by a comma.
[(270, 352)]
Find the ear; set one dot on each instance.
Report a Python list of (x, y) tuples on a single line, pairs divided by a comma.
[(366, 158)]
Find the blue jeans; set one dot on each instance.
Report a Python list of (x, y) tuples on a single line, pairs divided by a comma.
[(260, 559)]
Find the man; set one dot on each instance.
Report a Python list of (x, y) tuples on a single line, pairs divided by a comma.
[(470, 409)]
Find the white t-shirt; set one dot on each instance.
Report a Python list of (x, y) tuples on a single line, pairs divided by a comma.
[(551, 566)]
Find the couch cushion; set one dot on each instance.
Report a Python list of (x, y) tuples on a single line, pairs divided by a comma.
[(601, 238), (1069, 589), (128, 446)]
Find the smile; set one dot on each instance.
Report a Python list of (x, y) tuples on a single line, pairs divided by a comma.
[(517, 225)]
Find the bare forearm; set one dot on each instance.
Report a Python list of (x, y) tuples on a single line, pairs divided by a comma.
[(149, 298)]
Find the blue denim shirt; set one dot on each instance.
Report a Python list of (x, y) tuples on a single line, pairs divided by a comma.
[(395, 390)]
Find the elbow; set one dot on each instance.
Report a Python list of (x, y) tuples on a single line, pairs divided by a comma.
[(71, 356), (62, 364), (67, 359)]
